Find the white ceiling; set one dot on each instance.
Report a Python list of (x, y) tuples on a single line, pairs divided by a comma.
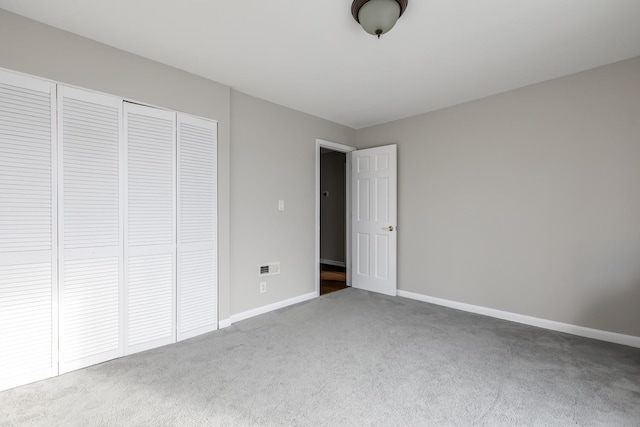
[(313, 57)]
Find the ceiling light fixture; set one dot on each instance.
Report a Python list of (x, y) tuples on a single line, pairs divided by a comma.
[(378, 16)]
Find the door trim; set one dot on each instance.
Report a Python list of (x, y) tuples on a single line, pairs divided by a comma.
[(321, 143)]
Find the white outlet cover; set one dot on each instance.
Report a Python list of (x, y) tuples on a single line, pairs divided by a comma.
[(280, 205)]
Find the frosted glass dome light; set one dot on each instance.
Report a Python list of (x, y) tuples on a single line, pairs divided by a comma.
[(378, 16)]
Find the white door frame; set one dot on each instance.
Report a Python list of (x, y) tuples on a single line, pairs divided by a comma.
[(320, 143)]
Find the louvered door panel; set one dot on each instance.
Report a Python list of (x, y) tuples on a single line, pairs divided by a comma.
[(150, 228), (150, 307), (28, 271), (198, 272), (91, 208), (197, 226), (91, 314)]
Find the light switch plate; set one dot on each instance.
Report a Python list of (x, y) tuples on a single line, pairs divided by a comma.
[(280, 205)]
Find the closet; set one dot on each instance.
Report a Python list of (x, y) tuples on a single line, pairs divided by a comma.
[(108, 228)]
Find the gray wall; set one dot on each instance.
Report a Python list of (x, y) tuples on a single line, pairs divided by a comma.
[(273, 158), (34, 48), (527, 201), (332, 208)]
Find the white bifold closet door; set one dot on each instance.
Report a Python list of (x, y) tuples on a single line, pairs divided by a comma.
[(197, 226), (28, 273), (91, 210), (150, 230)]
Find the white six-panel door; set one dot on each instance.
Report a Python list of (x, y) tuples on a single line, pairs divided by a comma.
[(197, 226), (28, 264), (150, 227), (374, 219), (90, 236)]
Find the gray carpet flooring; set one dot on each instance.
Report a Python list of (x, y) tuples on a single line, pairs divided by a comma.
[(350, 358)]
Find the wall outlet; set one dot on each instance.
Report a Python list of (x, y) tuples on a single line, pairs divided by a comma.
[(263, 287)]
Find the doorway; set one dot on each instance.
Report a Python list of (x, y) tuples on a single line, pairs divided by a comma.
[(333, 241), (332, 216)]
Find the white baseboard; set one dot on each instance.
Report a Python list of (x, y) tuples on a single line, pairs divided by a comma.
[(597, 334), (224, 323), (275, 306), (332, 262)]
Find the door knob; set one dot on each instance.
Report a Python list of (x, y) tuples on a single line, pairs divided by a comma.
[(389, 228)]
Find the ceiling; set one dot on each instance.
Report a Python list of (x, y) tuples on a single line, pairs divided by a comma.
[(313, 57)]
